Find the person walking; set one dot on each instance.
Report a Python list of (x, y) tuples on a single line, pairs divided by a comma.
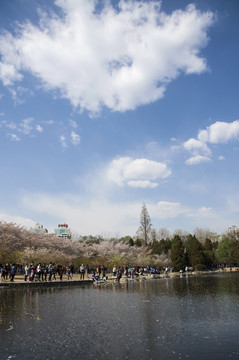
[(44, 272), (82, 272)]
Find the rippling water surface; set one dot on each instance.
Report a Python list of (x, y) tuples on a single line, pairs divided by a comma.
[(180, 318)]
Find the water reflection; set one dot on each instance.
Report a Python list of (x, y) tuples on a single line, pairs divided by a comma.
[(181, 318)]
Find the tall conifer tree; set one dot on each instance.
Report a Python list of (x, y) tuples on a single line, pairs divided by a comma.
[(145, 225)]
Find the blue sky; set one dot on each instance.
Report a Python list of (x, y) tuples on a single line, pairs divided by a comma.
[(106, 105)]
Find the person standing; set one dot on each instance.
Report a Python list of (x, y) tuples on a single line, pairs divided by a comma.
[(104, 269), (12, 272), (1, 272), (31, 272), (26, 272), (60, 272), (69, 273), (38, 271), (50, 267), (44, 272), (82, 272)]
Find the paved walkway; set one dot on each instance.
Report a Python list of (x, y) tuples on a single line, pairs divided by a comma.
[(76, 280)]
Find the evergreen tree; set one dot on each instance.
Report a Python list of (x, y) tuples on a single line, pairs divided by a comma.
[(223, 251), (144, 230), (234, 253), (177, 254), (209, 253), (165, 245), (155, 246), (195, 255)]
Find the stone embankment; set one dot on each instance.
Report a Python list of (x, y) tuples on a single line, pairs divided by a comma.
[(76, 281)]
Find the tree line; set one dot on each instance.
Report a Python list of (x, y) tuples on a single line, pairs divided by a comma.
[(187, 250), (201, 250)]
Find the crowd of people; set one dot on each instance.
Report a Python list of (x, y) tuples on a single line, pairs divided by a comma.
[(50, 272), (41, 272), (7, 271)]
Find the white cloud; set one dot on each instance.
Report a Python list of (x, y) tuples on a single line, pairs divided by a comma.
[(221, 157), (142, 184), (167, 209), (197, 159), (96, 215), (26, 126), (13, 137), (49, 122), (85, 216), (205, 212), (73, 123), (19, 94), (125, 170), (19, 220), (217, 133), (9, 72), (116, 58), (201, 213), (39, 128), (75, 138), (195, 147), (8, 124), (63, 141), (220, 132)]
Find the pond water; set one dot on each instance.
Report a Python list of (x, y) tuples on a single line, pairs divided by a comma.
[(168, 318)]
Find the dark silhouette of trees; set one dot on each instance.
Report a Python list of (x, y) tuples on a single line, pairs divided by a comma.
[(161, 247), (210, 257), (177, 254), (234, 253), (194, 253)]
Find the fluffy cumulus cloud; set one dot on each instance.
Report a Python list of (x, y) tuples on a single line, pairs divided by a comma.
[(195, 146), (137, 173), (220, 132), (217, 133), (115, 57)]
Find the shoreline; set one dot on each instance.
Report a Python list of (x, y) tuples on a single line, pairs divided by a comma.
[(76, 281)]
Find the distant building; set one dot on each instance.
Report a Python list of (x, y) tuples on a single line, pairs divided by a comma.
[(234, 231), (63, 231), (39, 229), (233, 228)]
